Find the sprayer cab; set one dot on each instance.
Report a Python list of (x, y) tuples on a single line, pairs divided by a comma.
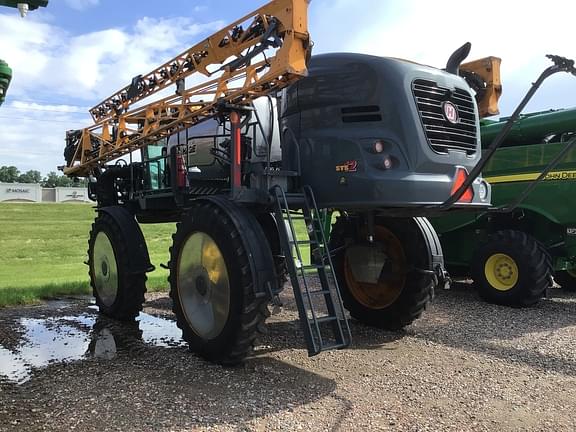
[(369, 132)]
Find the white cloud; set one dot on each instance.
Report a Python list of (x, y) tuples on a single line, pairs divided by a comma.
[(82, 4), (32, 134), (50, 65), (33, 106), (47, 60)]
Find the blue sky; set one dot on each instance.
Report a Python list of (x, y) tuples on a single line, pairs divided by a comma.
[(69, 56)]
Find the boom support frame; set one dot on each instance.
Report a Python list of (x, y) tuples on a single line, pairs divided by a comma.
[(236, 60)]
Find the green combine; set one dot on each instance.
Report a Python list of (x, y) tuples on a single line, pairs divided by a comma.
[(5, 78), (23, 7), (511, 253)]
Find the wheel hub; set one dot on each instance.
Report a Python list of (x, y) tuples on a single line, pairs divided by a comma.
[(203, 285), (105, 269), (376, 272), (501, 272)]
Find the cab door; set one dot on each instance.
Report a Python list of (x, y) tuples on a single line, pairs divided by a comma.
[(155, 167)]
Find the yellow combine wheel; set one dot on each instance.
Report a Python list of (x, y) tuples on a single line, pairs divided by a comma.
[(512, 269), (501, 271)]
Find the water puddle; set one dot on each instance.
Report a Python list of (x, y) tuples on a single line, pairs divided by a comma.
[(72, 338)]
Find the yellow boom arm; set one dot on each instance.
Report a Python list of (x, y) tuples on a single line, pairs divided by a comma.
[(260, 53)]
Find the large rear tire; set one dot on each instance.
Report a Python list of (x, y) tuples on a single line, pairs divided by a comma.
[(119, 293), (512, 269), (378, 282), (566, 279), (212, 284)]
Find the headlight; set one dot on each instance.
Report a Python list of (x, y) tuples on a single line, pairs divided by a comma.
[(483, 191)]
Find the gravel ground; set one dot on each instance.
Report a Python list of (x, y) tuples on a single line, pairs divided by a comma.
[(464, 365)]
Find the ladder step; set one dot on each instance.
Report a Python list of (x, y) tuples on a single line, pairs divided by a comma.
[(304, 242), (326, 319), (298, 218), (333, 346), (324, 291), (315, 267)]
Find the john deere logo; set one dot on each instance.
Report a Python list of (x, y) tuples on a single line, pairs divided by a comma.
[(450, 112)]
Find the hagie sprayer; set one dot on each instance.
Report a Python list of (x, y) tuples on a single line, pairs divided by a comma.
[(271, 137)]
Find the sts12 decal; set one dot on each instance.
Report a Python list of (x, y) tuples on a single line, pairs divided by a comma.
[(348, 166)]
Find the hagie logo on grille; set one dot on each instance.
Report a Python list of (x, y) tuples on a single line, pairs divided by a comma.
[(450, 112)]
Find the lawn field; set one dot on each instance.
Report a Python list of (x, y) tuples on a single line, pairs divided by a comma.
[(43, 250)]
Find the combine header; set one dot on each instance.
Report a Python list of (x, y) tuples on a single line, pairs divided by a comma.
[(272, 138)]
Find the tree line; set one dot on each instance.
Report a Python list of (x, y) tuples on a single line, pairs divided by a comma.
[(11, 174)]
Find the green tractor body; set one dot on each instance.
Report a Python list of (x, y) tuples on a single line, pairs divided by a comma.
[(5, 78), (31, 4), (491, 246)]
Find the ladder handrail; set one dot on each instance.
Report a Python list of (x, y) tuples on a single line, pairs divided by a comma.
[(335, 312), (277, 188), (308, 191)]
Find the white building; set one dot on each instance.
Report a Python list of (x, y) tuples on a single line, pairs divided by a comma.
[(20, 192), (28, 192), (72, 195)]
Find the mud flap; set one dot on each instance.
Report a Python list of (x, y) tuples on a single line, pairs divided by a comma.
[(138, 258), (435, 254)]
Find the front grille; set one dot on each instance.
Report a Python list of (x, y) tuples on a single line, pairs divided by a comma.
[(441, 134)]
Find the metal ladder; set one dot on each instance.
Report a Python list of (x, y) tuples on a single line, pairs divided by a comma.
[(321, 310)]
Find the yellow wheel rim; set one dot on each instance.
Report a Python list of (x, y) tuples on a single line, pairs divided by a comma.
[(501, 272)]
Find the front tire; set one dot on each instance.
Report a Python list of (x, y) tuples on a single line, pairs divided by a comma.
[(393, 294), (512, 269), (212, 285), (119, 294)]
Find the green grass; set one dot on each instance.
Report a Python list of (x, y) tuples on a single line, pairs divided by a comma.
[(43, 250)]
